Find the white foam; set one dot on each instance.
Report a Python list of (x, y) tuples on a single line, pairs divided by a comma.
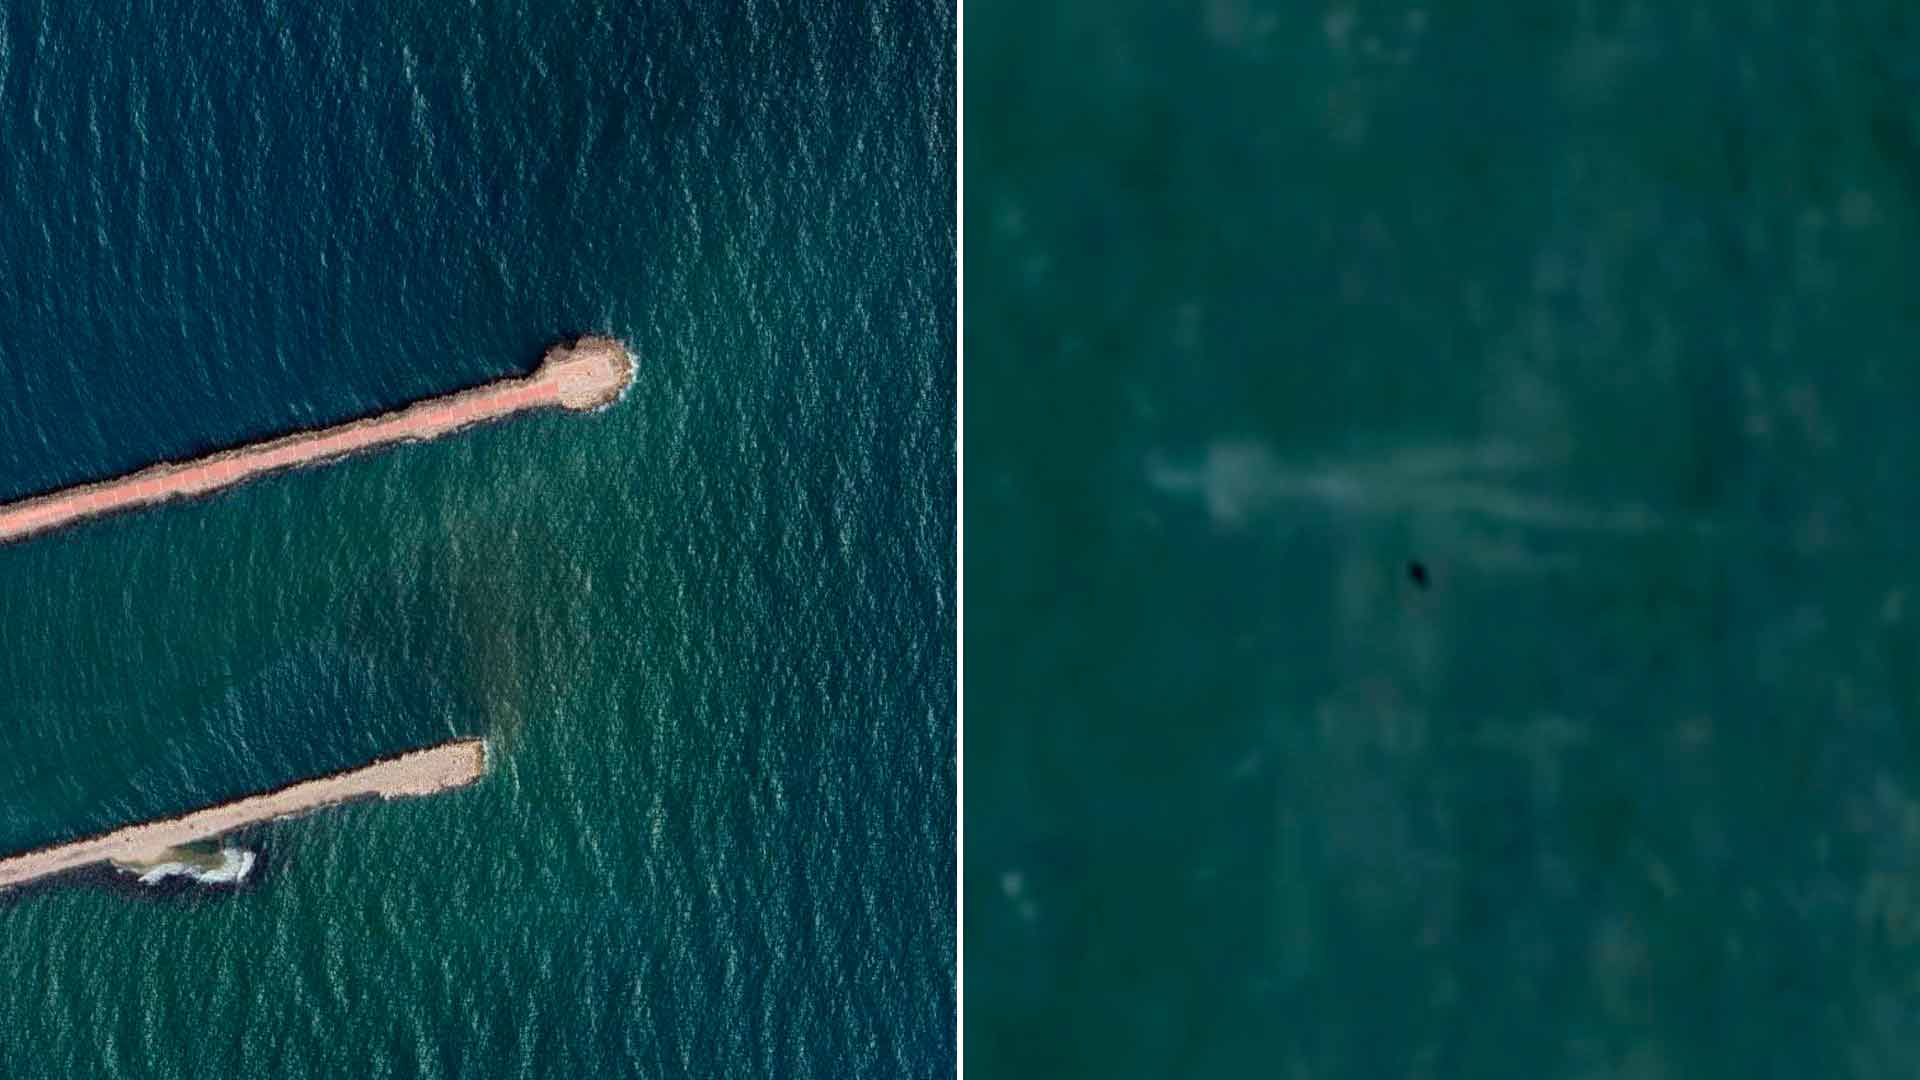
[(235, 865)]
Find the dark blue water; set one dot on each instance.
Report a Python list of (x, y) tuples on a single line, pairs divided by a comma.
[(709, 630)]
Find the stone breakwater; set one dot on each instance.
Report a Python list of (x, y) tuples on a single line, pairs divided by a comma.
[(585, 374), (420, 772)]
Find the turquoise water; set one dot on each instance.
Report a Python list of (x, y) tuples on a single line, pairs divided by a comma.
[(1604, 313), (709, 630)]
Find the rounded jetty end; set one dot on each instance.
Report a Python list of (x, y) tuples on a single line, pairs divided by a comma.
[(589, 372)]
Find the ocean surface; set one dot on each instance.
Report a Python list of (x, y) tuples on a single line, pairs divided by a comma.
[(709, 630), (1602, 313)]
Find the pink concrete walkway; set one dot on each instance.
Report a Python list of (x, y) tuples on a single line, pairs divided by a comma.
[(421, 772), (586, 375)]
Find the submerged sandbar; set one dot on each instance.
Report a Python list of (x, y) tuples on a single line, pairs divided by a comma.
[(585, 374), (420, 772)]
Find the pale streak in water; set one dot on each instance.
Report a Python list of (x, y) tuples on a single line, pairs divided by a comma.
[(1238, 479)]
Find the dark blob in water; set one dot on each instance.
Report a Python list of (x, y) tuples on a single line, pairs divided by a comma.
[(1417, 570)]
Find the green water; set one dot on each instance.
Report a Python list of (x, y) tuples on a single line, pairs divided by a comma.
[(1602, 312)]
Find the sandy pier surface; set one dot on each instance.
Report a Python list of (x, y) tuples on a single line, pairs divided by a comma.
[(420, 772), (586, 374)]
